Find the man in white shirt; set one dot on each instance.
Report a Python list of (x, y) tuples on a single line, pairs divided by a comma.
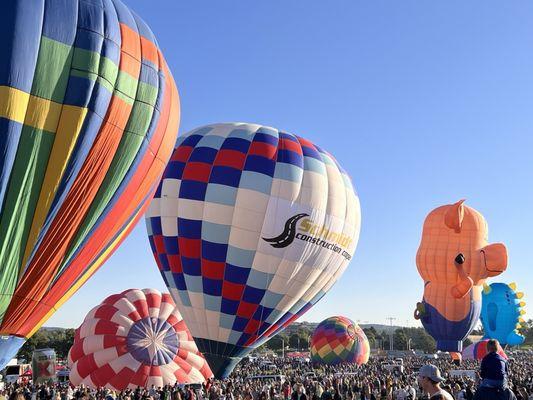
[(429, 379)]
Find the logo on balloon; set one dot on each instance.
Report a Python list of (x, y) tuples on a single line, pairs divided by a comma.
[(289, 232), (316, 234)]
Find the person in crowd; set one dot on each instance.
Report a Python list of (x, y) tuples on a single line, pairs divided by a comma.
[(493, 367), (430, 379)]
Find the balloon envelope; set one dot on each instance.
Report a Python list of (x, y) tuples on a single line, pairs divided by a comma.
[(89, 115), (502, 308), (478, 350), (135, 338), (339, 340), (250, 227), (454, 260)]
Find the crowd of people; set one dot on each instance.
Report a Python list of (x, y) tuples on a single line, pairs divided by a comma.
[(285, 379)]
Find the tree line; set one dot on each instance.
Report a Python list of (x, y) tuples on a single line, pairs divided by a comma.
[(404, 338), (60, 340)]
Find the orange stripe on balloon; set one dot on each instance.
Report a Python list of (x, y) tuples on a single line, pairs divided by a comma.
[(131, 43), (149, 171), (42, 314), (50, 253), (149, 51), (35, 283)]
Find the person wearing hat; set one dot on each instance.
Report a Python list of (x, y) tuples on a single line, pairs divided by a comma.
[(429, 379)]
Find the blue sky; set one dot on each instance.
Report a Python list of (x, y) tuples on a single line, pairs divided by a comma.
[(422, 102)]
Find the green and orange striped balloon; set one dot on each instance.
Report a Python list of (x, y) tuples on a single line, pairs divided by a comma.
[(89, 114)]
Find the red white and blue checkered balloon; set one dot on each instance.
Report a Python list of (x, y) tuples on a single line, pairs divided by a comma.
[(250, 227), (135, 338)]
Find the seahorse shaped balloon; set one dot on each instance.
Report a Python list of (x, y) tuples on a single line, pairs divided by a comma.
[(501, 313), (454, 260)]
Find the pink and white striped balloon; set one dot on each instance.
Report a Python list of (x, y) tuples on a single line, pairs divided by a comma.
[(135, 338)]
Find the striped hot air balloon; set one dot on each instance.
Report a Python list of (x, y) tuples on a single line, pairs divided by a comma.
[(88, 119), (478, 350), (135, 338), (250, 227), (338, 340)]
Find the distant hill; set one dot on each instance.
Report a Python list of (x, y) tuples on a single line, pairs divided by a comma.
[(295, 326), (380, 327), (291, 329), (53, 328)]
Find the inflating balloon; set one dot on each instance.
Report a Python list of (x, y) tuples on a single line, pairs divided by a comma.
[(501, 313), (135, 338), (476, 351), (89, 115), (250, 227), (454, 259), (339, 340)]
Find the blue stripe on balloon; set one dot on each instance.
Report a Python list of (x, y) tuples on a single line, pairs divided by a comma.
[(194, 283), (225, 176), (215, 233), (221, 194), (20, 37), (91, 16), (260, 164), (189, 228), (236, 274), (9, 140), (214, 251), (60, 20), (240, 257), (212, 287), (256, 181)]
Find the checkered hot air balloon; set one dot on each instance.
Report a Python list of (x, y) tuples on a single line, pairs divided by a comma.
[(89, 116), (478, 350), (135, 338), (338, 340), (250, 227)]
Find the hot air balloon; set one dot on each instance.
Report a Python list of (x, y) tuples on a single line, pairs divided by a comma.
[(456, 357), (478, 350), (339, 340), (89, 115), (454, 260), (502, 308), (250, 227), (135, 338)]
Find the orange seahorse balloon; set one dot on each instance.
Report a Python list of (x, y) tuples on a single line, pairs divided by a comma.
[(455, 259)]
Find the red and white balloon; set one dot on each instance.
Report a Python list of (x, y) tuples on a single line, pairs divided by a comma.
[(135, 338)]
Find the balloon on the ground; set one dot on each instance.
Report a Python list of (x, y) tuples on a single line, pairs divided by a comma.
[(339, 340), (502, 308), (478, 350), (89, 116), (250, 227), (135, 338), (454, 260)]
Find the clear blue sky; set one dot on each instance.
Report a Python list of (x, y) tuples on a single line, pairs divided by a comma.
[(423, 102)]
